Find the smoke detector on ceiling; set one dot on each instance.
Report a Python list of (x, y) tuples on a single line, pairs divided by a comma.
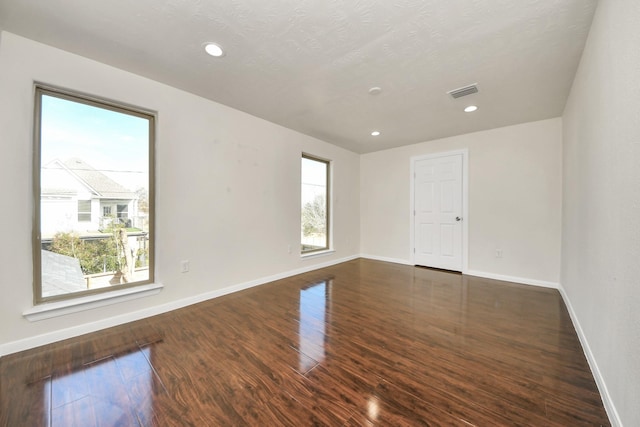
[(464, 91)]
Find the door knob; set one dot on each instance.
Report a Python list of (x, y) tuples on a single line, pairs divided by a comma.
[(458, 218)]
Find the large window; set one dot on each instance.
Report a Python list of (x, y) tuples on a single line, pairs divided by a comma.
[(315, 204), (93, 184)]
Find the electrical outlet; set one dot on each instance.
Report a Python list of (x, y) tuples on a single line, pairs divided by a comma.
[(498, 253), (184, 266)]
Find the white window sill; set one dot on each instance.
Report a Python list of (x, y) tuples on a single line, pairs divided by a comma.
[(317, 254), (61, 308)]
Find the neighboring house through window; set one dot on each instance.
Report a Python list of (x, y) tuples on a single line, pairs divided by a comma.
[(94, 190), (94, 202)]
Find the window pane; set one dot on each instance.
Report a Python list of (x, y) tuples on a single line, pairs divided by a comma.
[(315, 202), (94, 213), (84, 210)]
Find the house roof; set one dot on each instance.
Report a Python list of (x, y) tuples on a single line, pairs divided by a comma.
[(61, 274), (97, 181)]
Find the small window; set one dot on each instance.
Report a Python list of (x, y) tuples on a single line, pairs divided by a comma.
[(315, 204), (84, 210), (91, 157), (123, 211)]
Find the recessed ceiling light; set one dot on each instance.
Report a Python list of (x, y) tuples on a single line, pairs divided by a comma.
[(375, 133), (470, 109), (375, 90), (214, 49)]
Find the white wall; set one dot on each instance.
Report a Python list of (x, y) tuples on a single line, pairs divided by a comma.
[(227, 188), (601, 209), (515, 182)]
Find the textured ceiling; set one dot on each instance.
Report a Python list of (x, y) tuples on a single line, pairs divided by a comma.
[(308, 64)]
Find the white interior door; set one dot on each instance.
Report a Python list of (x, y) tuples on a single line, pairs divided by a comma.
[(438, 212)]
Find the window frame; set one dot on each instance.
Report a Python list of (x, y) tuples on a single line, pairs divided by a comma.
[(40, 90), (328, 240)]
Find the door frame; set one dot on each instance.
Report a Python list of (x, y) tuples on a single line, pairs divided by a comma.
[(465, 202)]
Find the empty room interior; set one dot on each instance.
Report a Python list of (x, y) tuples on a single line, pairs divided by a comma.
[(260, 212)]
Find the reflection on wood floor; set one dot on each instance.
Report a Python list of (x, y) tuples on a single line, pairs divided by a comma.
[(362, 343)]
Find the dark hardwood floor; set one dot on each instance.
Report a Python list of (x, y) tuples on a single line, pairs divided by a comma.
[(364, 343)]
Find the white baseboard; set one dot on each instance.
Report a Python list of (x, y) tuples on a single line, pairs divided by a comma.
[(614, 418), (386, 259), (521, 280), (50, 337)]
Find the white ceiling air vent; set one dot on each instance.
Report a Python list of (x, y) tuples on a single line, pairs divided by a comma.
[(464, 91)]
